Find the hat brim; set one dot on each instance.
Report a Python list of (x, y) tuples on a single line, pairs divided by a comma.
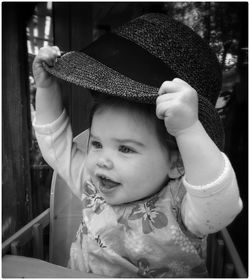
[(82, 70)]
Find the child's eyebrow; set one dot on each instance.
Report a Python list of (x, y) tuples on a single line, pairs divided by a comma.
[(122, 141), (127, 141), (91, 135)]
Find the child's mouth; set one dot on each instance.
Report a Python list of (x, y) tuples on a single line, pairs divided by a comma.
[(106, 185)]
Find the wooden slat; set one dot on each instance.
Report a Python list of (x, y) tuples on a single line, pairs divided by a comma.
[(211, 249), (16, 181), (37, 232), (234, 255), (219, 258), (228, 270), (15, 248), (208, 257), (25, 233)]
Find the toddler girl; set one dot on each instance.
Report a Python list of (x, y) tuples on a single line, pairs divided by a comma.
[(153, 183)]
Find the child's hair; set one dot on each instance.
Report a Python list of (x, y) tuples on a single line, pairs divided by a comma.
[(146, 110)]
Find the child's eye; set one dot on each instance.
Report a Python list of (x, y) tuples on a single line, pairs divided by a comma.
[(96, 144), (126, 150)]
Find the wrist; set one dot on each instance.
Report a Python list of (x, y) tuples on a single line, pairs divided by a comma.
[(48, 85), (201, 157), (195, 128)]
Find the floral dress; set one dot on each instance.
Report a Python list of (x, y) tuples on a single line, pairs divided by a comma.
[(145, 238)]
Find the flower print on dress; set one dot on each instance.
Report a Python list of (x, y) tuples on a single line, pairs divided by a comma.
[(145, 271), (151, 217), (81, 231), (92, 199), (100, 242)]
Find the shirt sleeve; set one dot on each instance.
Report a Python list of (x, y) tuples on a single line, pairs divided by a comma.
[(209, 208), (55, 141)]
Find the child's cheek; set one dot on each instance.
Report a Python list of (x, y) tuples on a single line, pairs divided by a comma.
[(90, 163)]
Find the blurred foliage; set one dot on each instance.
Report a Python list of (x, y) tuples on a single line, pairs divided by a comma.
[(219, 23)]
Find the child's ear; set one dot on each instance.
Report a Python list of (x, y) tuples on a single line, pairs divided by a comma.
[(176, 166)]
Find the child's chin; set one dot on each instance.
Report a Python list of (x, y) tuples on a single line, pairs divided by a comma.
[(116, 201)]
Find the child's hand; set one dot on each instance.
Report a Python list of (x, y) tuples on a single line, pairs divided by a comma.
[(177, 105), (46, 55)]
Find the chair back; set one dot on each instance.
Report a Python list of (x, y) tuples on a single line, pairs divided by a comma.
[(65, 213)]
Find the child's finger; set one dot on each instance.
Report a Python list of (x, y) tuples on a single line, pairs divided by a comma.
[(49, 60), (47, 55), (168, 87), (180, 81), (162, 109), (58, 52), (165, 97)]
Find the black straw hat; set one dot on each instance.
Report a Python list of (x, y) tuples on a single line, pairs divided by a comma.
[(135, 59)]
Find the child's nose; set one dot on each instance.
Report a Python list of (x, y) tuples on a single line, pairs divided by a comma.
[(105, 163)]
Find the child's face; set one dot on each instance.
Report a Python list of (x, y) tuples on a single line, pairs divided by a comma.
[(125, 160)]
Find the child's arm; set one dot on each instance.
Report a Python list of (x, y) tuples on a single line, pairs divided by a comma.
[(48, 95), (212, 199), (52, 125), (209, 208), (202, 159)]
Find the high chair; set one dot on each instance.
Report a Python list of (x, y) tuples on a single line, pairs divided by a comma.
[(63, 218)]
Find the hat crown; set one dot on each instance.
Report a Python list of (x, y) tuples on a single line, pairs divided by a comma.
[(180, 47)]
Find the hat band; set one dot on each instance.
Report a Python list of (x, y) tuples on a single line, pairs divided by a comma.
[(129, 59)]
